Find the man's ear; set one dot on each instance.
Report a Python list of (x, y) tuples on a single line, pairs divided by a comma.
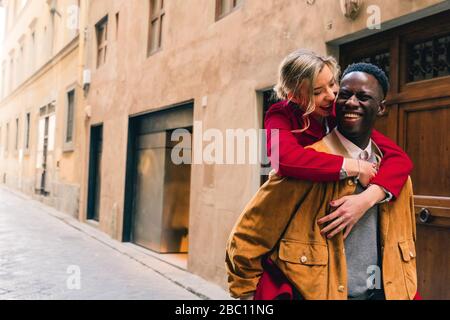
[(382, 108)]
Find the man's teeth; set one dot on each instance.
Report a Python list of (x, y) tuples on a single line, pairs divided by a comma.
[(352, 115)]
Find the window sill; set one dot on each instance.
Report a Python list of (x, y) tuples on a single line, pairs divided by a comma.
[(68, 147), (93, 223), (154, 52)]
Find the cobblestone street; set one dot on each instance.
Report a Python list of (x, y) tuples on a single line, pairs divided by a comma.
[(41, 258)]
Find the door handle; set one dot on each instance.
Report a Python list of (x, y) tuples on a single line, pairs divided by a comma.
[(425, 215)]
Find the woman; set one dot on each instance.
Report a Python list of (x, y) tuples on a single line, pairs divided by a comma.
[(308, 87)]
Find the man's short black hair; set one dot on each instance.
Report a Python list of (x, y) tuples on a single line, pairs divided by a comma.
[(372, 70)]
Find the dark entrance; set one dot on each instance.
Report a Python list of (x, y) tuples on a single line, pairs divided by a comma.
[(157, 186), (268, 99), (95, 168), (417, 59)]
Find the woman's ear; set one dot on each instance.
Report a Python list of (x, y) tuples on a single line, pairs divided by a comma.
[(382, 108)]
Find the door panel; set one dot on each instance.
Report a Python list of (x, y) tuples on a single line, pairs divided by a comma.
[(149, 190), (177, 185), (387, 124), (424, 133)]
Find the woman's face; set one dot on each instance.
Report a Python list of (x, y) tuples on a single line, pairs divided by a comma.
[(325, 91)]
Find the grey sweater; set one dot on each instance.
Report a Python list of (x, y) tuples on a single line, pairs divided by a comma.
[(361, 247)]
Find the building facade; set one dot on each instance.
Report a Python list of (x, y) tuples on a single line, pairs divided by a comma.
[(153, 75), (40, 127)]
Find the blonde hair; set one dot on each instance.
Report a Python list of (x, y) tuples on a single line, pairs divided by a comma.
[(301, 68)]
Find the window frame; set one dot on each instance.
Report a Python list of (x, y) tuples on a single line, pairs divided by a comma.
[(158, 19), (233, 5), (101, 43), (27, 133), (17, 135), (7, 139), (3, 80), (68, 146)]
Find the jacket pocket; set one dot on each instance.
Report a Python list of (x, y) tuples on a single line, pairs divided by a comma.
[(408, 254), (309, 254), (306, 265)]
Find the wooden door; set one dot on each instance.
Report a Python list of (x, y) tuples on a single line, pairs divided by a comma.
[(417, 59)]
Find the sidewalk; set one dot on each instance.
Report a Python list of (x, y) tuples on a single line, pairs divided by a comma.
[(42, 250)]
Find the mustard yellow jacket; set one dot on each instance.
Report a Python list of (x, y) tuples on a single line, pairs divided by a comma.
[(281, 219)]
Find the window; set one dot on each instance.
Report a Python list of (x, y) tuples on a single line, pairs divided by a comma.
[(155, 32), (429, 58), (33, 50), (70, 115), (7, 138), (117, 25), (27, 131), (3, 84), (45, 47), (382, 59), (224, 7), (11, 74), (23, 3), (15, 9), (20, 67), (102, 40), (16, 144)]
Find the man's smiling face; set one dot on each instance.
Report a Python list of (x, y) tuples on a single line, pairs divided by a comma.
[(359, 101)]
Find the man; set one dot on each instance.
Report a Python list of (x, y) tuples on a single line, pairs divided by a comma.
[(284, 219)]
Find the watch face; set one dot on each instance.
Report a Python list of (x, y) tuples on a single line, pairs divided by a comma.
[(343, 174)]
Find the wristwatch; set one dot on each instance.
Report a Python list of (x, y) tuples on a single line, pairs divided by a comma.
[(343, 174)]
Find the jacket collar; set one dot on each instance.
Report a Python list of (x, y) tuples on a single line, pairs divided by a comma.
[(336, 147)]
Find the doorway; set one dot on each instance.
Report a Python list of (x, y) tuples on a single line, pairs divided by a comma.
[(95, 168), (157, 187), (45, 148)]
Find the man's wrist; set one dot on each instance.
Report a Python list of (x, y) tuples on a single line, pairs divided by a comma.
[(387, 195), (350, 167), (343, 174), (376, 194)]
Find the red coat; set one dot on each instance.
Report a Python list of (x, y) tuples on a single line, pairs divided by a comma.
[(307, 164)]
